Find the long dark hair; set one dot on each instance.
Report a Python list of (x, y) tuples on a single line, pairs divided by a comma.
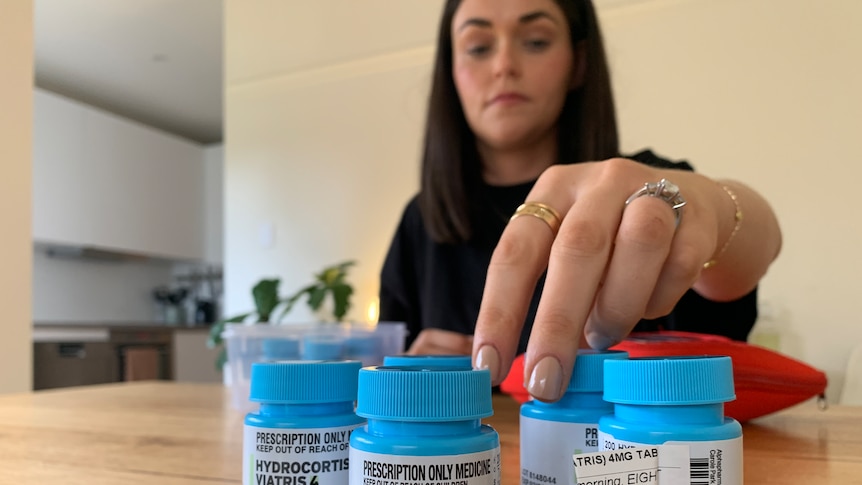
[(451, 168)]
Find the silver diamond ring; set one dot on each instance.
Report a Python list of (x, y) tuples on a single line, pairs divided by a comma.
[(664, 190)]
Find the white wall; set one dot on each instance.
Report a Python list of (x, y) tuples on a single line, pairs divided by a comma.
[(84, 290), (213, 204), (16, 98), (100, 179), (766, 91), (103, 180), (321, 130), (89, 291), (759, 90)]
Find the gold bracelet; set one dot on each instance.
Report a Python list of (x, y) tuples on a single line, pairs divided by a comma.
[(737, 217)]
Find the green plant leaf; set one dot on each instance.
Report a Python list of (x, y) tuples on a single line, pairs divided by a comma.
[(316, 296), (265, 294), (221, 359), (335, 273), (290, 301), (341, 296), (332, 279), (345, 264), (327, 276), (214, 339)]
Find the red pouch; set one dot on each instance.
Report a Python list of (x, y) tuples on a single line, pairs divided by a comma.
[(766, 381)]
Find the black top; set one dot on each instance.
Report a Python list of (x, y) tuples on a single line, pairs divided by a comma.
[(432, 285)]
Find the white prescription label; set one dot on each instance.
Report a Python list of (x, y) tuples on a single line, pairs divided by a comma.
[(628, 466), (480, 468), (310, 456), (716, 462), (547, 448)]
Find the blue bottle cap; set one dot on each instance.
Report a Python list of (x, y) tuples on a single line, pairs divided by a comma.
[(280, 349), (304, 382), (322, 347), (429, 361), (677, 380), (406, 393), (588, 373)]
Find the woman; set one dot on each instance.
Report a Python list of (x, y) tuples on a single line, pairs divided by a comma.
[(520, 111)]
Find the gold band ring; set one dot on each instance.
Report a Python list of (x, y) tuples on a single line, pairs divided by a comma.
[(540, 210)]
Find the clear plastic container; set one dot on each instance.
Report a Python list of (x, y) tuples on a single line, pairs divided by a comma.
[(247, 344)]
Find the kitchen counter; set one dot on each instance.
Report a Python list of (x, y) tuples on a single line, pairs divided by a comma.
[(117, 324), (102, 331), (81, 353)]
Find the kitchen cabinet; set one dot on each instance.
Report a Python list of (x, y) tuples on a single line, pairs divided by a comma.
[(65, 364), (193, 360), (68, 354), (84, 354), (104, 181)]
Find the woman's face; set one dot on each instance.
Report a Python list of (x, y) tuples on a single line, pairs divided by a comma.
[(512, 67)]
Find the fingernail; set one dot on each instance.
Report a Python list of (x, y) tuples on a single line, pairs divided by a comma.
[(599, 341), (488, 358), (546, 380)]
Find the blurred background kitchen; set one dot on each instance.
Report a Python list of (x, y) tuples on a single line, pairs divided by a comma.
[(174, 142), (127, 190)]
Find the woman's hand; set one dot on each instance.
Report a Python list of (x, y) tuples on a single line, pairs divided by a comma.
[(609, 265), (434, 341)]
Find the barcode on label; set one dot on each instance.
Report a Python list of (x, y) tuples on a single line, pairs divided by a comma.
[(699, 471)]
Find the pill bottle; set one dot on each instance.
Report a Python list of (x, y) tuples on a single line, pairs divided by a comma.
[(552, 432), (461, 361), (424, 426), (301, 434), (676, 401)]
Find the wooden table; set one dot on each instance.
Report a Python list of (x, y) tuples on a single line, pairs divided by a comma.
[(170, 433)]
